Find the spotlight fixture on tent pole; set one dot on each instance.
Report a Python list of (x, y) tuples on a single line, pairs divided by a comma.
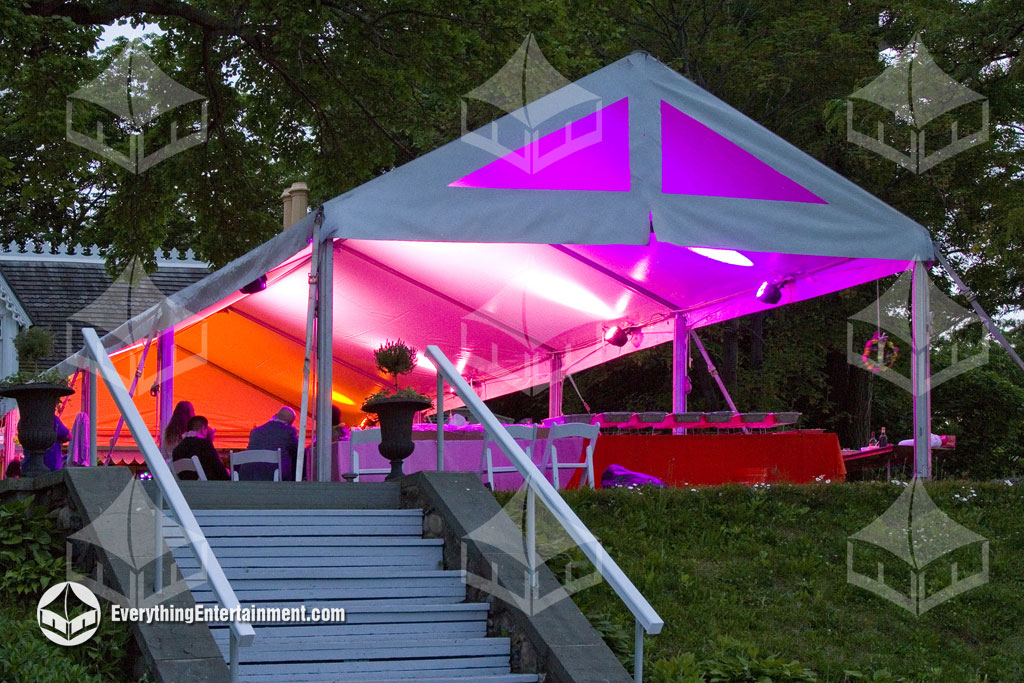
[(618, 335), (770, 291)]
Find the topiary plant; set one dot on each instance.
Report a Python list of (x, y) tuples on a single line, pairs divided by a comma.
[(32, 344), (396, 358)]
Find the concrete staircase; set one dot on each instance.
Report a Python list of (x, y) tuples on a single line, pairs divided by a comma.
[(406, 617)]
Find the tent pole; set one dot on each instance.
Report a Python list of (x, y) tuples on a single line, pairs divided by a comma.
[(714, 373), (165, 379), (972, 298), (324, 359), (556, 383), (131, 393), (93, 388), (680, 363), (314, 262), (921, 372)]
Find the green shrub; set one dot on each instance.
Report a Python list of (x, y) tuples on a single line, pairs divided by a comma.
[(30, 553), (31, 559), (32, 344)]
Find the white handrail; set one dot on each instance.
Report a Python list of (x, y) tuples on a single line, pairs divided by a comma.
[(535, 480), (242, 632)]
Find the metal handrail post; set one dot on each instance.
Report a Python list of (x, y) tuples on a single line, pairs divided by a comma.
[(638, 653), (233, 656), (439, 420), (531, 536), (158, 572)]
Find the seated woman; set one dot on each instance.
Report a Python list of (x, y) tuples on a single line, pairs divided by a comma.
[(198, 440)]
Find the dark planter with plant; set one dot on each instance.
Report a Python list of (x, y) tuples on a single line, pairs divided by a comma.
[(396, 410), (37, 395)]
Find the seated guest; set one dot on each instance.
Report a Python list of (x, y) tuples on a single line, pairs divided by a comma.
[(276, 435), (197, 441), (338, 430)]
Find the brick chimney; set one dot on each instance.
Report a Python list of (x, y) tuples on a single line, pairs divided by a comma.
[(296, 202)]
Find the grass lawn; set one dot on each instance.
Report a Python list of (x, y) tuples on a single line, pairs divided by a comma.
[(732, 569)]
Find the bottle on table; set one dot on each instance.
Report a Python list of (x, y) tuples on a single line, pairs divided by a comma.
[(883, 440), (872, 442)]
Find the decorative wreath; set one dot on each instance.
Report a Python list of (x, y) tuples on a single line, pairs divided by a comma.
[(880, 354)]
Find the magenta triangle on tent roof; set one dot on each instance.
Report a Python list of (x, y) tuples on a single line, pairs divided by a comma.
[(696, 160), (589, 154)]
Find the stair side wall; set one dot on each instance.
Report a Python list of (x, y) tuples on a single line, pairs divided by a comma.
[(557, 641)]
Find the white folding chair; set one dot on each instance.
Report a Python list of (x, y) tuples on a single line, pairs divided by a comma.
[(363, 437), (189, 465), (519, 433), (267, 457), (564, 431)]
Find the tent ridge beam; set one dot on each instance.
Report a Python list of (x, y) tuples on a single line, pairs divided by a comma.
[(369, 375), (450, 299), (621, 279)]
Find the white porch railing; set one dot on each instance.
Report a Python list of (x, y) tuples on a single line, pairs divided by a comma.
[(242, 633), (647, 620)]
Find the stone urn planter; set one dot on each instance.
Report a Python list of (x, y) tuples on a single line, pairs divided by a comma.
[(396, 414), (37, 403)]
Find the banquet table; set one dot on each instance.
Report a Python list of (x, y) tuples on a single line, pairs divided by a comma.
[(799, 456), (463, 452)]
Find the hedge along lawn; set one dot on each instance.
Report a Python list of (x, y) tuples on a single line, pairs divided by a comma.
[(767, 567)]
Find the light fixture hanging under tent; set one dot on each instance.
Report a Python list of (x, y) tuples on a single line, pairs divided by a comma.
[(769, 293), (618, 335)]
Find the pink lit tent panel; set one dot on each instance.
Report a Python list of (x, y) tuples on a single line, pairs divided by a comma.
[(504, 253)]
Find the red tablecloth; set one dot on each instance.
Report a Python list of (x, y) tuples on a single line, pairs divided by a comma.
[(708, 459)]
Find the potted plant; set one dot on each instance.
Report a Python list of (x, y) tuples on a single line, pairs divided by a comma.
[(396, 409), (37, 394)]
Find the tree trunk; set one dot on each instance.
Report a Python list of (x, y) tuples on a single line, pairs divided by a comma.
[(850, 387), (757, 340), (730, 352)]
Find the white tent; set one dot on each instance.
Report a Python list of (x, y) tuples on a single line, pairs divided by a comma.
[(630, 198)]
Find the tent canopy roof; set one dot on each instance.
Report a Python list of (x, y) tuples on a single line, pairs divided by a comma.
[(503, 254)]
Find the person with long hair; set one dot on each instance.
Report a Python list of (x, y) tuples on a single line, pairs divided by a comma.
[(176, 428)]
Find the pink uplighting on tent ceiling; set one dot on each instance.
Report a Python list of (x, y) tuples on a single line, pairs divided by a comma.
[(696, 160), (589, 154)]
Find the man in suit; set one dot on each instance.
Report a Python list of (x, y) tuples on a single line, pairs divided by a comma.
[(198, 441), (277, 434)]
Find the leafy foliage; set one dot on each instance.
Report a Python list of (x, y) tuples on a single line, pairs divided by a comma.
[(31, 560), (395, 358), (30, 553), (33, 343)]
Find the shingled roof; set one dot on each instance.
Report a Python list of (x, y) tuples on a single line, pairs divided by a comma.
[(64, 293)]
